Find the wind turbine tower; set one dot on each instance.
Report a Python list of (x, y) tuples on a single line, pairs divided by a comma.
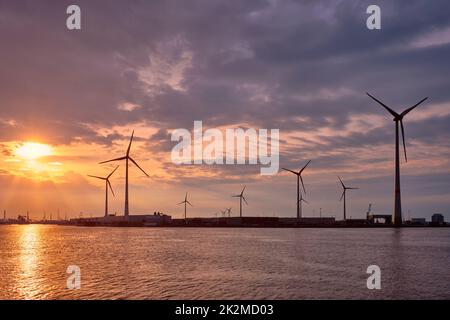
[(107, 185), (300, 203), (241, 197), (299, 179), (344, 195), (186, 202), (127, 158), (398, 119)]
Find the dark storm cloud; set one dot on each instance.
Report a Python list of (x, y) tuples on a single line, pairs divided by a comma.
[(292, 65)]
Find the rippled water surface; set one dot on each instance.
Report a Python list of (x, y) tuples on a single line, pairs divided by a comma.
[(156, 263)]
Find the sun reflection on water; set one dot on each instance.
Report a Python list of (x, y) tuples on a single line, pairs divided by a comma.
[(29, 245)]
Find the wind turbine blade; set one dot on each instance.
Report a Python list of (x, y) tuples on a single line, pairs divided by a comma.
[(96, 177), (289, 170), (352, 188), (117, 159), (180, 203), (303, 185), (343, 193), (242, 192), (404, 113), (243, 198), (395, 114), (185, 197), (189, 203), (129, 146), (304, 167), (112, 172), (110, 187), (343, 186), (305, 201), (403, 137), (135, 163), (236, 196)]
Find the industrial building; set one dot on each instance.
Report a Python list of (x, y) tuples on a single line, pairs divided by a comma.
[(146, 220), (437, 219)]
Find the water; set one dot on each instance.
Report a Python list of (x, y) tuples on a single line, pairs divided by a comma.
[(153, 263)]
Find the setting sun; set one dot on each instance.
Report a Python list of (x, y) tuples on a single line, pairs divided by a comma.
[(33, 150)]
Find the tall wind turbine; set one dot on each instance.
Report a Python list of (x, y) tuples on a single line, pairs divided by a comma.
[(300, 203), (398, 118), (107, 184), (127, 158), (299, 178), (186, 202), (241, 197), (344, 195)]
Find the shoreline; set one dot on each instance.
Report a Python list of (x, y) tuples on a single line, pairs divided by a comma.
[(336, 226)]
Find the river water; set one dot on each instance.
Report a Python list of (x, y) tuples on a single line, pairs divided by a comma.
[(213, 263)]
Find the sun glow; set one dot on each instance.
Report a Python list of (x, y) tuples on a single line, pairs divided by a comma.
[(33, 150)]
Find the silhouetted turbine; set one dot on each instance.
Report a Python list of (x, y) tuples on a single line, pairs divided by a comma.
[(300, 203), (241, 197), (107, 184), (398, 118), (299, 178), (344, 195), (127, 158), (186, 202)]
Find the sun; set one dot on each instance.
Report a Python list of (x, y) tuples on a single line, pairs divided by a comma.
[(33, 150)]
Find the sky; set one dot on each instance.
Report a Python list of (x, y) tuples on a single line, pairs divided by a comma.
[(71, 98)]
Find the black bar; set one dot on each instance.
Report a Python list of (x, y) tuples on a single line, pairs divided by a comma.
[(228, 309)]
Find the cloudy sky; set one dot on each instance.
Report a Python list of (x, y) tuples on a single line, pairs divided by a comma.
[(302, 67)]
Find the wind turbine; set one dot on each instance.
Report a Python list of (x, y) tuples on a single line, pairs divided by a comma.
[(186, 202), (241, 197), (299, 178), (217, 217), (127, 158), (300, 203), (228, 211), (398, 118), (107, 184), (344, 193)]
